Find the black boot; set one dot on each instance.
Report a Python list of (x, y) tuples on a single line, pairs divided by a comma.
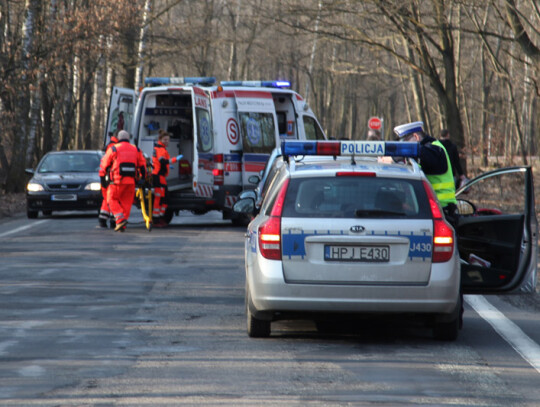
[(102, 223)]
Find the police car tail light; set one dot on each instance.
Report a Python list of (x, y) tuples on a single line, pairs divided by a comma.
[(443, 234), (355, 174), (218, 171), (270, 231)]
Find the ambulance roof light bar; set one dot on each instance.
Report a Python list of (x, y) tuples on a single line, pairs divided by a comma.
[(258, 84), (194, 80), (351, 148)]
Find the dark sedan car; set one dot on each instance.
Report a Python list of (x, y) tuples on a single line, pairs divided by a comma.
[(64, 181)]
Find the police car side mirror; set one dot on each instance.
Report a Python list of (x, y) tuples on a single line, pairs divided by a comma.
[(248, 194), (254, 179), (29, 171), (245, 206)]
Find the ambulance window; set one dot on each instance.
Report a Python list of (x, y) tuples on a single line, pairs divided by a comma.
[(312, 129), (258, 132), (282, 122), (204, 130)]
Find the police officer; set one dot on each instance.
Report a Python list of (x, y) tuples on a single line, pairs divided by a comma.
[(160, 171), (105, 211), (126, 163), (435, 164)]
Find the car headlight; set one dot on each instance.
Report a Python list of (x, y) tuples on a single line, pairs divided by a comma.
[(33, 187), (93, 186)]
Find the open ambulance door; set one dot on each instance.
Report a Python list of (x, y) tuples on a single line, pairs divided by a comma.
[(258, 128), (202, 157), (120, 113), (497, 232)]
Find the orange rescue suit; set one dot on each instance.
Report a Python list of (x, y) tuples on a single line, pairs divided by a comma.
[(160, 171), (127, 164)]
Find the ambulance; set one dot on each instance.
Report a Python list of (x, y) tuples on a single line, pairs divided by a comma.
[(225, 133)]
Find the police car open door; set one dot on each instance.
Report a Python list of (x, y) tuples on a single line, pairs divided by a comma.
[(258, 128), (120, 114), (497, 233), (203, 162)]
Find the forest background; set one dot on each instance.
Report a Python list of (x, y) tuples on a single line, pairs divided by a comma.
[(471, 66)]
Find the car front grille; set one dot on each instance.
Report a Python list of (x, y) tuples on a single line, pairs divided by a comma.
[(63, 187)]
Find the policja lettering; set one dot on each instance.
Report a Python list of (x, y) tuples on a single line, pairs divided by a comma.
[(362, 148)]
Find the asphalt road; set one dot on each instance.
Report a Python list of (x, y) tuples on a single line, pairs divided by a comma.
[(89, 317)]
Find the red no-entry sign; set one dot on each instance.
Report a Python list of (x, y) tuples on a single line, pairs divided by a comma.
[(374, 123)]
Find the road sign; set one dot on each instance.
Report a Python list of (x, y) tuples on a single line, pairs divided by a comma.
[(375, 123)]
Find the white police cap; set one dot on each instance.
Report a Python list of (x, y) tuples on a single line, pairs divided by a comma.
[(405, 129)]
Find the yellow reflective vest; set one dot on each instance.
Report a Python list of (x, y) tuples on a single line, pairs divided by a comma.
[(443, 184)]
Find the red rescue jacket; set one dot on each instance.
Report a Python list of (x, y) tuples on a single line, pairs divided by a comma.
[(126, 161)]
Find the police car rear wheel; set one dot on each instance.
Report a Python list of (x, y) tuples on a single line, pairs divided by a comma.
[(449, 330), (256, 328)]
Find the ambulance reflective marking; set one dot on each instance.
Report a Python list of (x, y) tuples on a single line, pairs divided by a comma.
[(204, 191), (255, 162), (293, 244), (206, 161)]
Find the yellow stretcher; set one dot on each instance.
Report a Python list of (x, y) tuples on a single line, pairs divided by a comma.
[(144, 194)]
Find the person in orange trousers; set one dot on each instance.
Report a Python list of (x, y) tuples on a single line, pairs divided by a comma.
[(160, 170), (127, 164), (105, 212)]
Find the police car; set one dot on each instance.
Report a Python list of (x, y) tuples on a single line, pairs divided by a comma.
[(366, 237)]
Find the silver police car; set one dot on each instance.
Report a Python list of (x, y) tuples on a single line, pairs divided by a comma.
[(364, 237)]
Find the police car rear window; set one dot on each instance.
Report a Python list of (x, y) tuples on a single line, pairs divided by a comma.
[(356, 197)]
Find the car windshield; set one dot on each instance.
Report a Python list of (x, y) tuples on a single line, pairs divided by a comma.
[(355, 197), (75, 162)]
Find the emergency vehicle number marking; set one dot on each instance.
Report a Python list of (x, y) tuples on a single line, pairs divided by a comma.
[(357, 253), (232, 131), (253, 131), (420, 247)]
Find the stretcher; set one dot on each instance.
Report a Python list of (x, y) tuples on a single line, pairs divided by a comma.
[(144, 195)]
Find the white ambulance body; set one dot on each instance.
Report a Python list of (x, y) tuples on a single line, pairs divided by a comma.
[(225, 133)]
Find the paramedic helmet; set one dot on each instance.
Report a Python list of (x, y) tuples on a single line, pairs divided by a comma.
[(123, 135), (405, 130)]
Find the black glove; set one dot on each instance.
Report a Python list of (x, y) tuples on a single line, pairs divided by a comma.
[(104, 183)]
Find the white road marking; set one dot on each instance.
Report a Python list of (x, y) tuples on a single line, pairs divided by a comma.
[(511, 333), (20, 229)]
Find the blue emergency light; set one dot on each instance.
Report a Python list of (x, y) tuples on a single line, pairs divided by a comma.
[(194, 80), (258, 84), (351, 148)]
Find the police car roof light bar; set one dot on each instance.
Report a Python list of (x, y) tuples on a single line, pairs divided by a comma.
[(194, 80), (351, 148), (258, 84)]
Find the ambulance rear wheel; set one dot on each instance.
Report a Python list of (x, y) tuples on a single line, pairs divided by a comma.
[(169, 214)]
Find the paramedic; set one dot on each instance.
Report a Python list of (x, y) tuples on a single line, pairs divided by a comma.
[(127, 163), (160, 165), (436, 165), (105, 211)]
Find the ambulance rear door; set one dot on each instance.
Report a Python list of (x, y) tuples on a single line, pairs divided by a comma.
[(120, 113), (257, 121), (203, 154)]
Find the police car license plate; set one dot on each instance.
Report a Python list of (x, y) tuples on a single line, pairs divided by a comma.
[(64, 197), (357, 253)]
